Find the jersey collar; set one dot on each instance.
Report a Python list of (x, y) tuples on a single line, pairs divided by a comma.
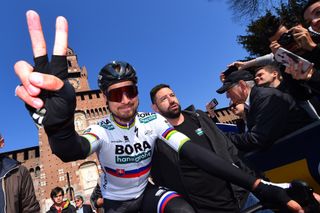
[(124, 125)]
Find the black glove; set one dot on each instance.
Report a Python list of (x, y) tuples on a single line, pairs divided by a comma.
[(59, 106), (301, 192), (272, 195)]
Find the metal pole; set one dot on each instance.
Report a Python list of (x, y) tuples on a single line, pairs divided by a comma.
[(69, 186)]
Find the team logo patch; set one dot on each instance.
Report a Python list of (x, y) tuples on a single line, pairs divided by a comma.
[(106, 124), (199, 131)]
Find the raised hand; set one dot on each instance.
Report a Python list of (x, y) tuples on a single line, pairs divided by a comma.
[(303, 38), (45, 89)]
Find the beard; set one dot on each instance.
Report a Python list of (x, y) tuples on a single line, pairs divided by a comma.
[(171, 113), (124, 117)]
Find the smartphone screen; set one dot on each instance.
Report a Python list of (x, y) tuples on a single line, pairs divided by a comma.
[(210, 107), (286, 58)]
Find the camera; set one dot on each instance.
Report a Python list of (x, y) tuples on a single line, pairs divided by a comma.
[(286, 39)]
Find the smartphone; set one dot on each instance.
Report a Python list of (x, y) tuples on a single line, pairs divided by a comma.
[(213, 103), (210, 107), (284, 56)]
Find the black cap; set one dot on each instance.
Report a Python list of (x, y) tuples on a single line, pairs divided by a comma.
[(234, 78)]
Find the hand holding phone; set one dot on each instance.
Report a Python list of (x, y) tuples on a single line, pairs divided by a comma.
[(288, 58), (211, 106)]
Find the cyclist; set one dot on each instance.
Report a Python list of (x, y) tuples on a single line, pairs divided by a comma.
[(123, 140)]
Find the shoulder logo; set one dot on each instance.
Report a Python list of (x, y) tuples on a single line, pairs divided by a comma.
[(199, 131), (106, 124), (86, 131)]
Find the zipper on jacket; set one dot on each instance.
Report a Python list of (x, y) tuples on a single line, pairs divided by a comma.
[(3, 188)]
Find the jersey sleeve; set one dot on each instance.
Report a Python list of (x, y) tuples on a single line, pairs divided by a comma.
[(94, 134), (168, 134)]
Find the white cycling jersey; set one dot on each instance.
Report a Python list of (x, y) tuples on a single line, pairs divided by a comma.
[(125, 152)]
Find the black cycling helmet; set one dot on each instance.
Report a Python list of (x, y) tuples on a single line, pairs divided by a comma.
[(115, 72)]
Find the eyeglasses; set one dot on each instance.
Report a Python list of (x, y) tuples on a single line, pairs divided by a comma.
[(115, 95), (77, 200)]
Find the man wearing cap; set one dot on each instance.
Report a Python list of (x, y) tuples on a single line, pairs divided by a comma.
[(270, 113), (16, 186)]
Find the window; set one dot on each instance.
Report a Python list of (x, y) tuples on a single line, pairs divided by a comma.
[(60, 171), (61, 178)]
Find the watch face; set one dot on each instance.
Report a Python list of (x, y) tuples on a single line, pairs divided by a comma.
[(74, 82)]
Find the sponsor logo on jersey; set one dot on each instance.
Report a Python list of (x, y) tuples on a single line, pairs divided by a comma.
[(132, 153), (136, 131), (148, 132), (106, 124), (147, 117), (86, 131), (199, 131), (117, 141)]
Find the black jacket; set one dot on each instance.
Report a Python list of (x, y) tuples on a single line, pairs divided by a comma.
[(18, 191), (67, 208), (166, 161), (86, 208), (272, 114)]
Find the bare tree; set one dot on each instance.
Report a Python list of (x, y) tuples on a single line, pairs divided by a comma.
[(251, 9)]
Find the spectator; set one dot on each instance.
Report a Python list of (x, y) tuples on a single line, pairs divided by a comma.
[(270, 76), (312, 76), (270, 114), (205, 192), (311, 14), (59, 205), (80, 206), (17, 187)]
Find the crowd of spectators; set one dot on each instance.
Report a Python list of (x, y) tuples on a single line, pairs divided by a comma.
[(277, 96)]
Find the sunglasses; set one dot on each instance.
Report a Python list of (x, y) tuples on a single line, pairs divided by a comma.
[(115, 95)]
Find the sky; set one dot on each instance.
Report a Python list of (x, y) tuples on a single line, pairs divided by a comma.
[(183, 43)]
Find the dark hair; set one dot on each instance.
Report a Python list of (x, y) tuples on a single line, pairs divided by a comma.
[(55, 191), (274, 66), (272, 24), (155, 89), (308, 4), (290, 20), (79, 197)]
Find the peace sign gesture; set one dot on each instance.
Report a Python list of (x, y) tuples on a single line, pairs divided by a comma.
[(44, 88)]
